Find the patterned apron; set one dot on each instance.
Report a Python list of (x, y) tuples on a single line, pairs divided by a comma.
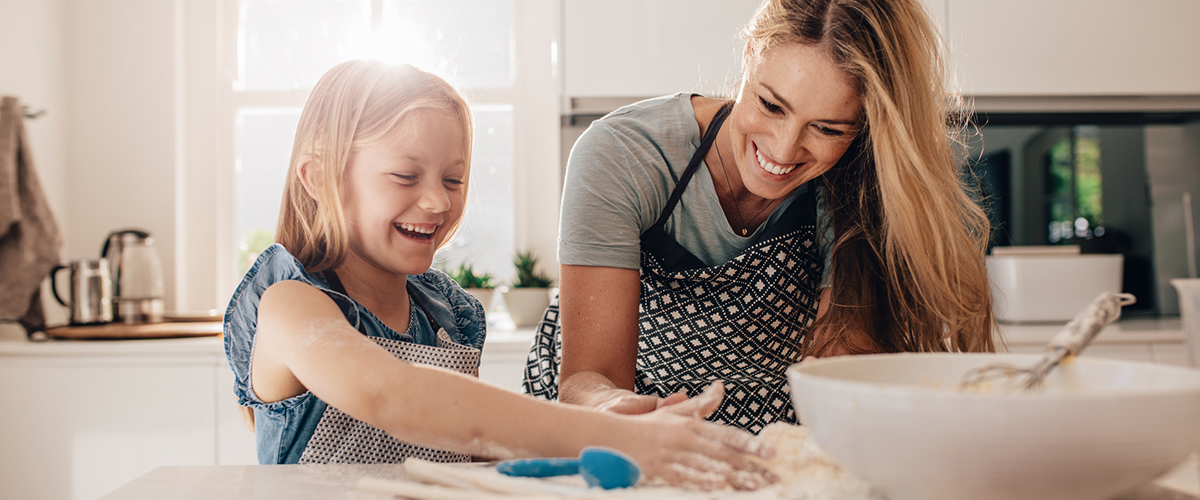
[(342, 439), (741, 322)]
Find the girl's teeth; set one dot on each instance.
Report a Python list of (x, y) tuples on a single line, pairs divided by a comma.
[(416, 229), (771, 167)]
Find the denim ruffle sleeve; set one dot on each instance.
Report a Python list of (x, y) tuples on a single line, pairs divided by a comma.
[(272, 266), (465, 312)]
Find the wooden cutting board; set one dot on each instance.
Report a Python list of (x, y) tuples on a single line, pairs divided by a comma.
[(121, 331)]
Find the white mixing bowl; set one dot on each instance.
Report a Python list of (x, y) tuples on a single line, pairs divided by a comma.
[(1101, 427)]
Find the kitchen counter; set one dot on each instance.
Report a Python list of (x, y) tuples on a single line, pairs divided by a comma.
[(304, 482)]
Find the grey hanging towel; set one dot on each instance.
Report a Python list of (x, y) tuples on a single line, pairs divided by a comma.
[(29, 236)]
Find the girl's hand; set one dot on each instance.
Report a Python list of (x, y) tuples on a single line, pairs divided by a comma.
[(676, 446)]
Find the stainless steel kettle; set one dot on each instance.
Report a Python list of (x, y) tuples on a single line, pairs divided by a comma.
[(137, 276), (91, 291)]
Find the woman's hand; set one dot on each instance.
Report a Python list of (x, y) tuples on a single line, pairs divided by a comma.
[(676, 446), (630, 403)]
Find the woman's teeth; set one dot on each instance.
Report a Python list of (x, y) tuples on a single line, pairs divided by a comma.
[(772, 167), (416, 231)]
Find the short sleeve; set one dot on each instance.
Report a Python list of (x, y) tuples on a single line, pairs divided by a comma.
[(600, 223), (272, 266), (464, 310)]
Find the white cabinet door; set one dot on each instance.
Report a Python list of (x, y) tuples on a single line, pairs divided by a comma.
[(639, 48), (1076, 47), (77, 427), (235, 441)]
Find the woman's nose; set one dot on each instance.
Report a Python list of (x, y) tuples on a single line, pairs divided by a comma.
[(788, 145)]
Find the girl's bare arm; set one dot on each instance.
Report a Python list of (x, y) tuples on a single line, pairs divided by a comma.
[(304, 343)]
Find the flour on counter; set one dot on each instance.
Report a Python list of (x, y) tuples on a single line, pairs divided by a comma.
[(806, 472)]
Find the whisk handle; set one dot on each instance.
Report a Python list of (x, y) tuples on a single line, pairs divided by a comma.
[(1086, 325)]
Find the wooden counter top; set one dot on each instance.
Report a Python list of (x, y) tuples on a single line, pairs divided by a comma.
[(115, 331)]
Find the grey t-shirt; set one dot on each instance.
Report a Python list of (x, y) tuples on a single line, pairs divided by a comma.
[(620, 174)]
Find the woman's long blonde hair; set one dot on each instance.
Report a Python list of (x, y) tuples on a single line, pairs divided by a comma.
[(908, 260), (356, 104)]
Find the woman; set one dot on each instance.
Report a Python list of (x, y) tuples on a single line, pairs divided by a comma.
[(819, 213)]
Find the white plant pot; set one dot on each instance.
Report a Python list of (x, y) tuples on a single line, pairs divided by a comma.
[(526, 305), (484, 295)]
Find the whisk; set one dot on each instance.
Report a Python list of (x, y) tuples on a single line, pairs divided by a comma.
[(1070, 341)]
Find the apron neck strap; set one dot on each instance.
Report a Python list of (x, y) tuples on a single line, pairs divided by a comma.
[(710, 135)]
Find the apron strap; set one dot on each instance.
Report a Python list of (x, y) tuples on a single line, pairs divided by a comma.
[(710, 135), (335, 283)]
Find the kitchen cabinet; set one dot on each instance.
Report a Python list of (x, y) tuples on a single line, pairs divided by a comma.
[(634, 48), (1075, 47), (81, 418)]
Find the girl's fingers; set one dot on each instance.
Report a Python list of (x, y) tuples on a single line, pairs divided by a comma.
[(681, 475), (726, 459), (739, 440)]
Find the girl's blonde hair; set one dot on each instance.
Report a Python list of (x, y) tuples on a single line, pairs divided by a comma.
[(356, 104), (908, 260)]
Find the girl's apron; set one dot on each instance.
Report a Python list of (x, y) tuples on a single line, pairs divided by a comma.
[(741, 322), (340, 438)]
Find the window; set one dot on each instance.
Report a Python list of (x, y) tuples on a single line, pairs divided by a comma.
[(1073, 193), (283, 48)]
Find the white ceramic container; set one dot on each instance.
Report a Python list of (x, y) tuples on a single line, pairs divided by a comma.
[(1050, 288), (1101, 428)]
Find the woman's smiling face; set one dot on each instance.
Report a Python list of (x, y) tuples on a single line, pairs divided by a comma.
[(402, 195), (796, 114)]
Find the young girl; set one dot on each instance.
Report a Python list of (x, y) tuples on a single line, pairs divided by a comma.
[(350, 349)]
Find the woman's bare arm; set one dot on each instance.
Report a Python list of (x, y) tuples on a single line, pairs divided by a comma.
[(304, 343), (599, 314)]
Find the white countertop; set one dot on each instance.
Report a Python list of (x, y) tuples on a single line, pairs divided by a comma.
[(1168, 330), (305, 482)]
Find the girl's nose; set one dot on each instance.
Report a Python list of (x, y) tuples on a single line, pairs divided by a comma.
[(435, 199)]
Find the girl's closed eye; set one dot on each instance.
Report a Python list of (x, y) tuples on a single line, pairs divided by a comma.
[(453, 182), (406, 179)]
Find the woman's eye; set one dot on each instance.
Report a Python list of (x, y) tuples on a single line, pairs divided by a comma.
[(453, 182), (829, 131), (771, 108)]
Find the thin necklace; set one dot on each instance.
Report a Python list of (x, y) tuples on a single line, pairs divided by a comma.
[(729, 187)]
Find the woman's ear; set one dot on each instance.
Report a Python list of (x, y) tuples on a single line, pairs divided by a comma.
[(310, 171)]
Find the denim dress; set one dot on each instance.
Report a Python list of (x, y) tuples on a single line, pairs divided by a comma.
[(446, 329)]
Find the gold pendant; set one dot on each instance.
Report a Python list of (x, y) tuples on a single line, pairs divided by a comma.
[(743, 231)]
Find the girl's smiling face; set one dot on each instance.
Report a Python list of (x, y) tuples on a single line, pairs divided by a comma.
[(795, 115), (402, 195)]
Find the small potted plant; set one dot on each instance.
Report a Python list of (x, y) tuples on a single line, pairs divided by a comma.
[(479, 285), (529, 294)]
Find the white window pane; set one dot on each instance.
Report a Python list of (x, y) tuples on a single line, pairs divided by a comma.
[(289, 44), (264, 149), (471, 38), (485, 237)]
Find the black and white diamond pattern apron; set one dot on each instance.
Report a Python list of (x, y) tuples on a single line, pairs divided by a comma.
[(741, 322), (342, 439)]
